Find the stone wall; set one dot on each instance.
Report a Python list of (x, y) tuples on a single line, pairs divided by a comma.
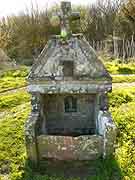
[(70, 123), (69, 148)]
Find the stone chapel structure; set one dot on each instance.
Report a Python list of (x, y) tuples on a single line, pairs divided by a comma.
[(69, 85)]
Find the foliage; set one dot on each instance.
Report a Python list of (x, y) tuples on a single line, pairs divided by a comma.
[(121, 96), (12, 149), (26, 32), (24, 36), (124, 117), (120, 79), (9, 83), (12, 100), (129, 12), (13, 159), (117, 68), (20, 72), (13, 156), (13, 79)]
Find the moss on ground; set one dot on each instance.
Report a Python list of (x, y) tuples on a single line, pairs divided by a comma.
[(116, 68), (13, 79), (13, 160), (121, 79), (9, 83), (124, 117), (121, 96), (9, 101)]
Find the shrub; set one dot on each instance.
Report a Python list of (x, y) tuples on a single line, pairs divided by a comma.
[(12, 146), (21, 72), (9, 83), (124, 117), (117, 68), (121, 79), (120, 96)]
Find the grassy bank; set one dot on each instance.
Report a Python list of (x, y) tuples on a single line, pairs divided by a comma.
[(115, 67), (12, 146), (13, 79), (13, 158)]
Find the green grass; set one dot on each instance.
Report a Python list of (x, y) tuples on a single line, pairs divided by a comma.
[(124, 117), (12, 100), (13, 158), (121, 96), (13, 155), (21, 72), (121, 79), (116, 68), (17, 78), (9, 83), (12, 145), (13, 79)]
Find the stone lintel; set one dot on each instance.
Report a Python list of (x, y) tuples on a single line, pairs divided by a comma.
[(69, 88)]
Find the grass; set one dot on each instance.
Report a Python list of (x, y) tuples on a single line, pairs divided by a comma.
[(124, 117), (17, 78), (12, 146), (12, 100), (13, 155), (121, 96), (122, 79), (9, 83), (21, 72), (116, 68), (13, 79), (13, 158)]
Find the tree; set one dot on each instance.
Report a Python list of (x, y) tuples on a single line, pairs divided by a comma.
[(128, 10)]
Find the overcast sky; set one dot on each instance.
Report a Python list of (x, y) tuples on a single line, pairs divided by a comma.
[(8, 7)]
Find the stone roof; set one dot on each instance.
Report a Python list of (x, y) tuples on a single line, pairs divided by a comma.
[(49, 64)]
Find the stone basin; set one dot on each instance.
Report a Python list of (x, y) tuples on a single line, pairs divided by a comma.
[(87, 147)]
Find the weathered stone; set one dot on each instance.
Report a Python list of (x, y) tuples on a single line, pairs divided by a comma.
[(107, 129), (86, 63), (70, 148), (69, 118)]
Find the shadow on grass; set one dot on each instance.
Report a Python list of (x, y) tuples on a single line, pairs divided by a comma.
[(125, 70), (107, 169)]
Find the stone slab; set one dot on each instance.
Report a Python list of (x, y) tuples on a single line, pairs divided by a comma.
[(68, 88), (69, 148)]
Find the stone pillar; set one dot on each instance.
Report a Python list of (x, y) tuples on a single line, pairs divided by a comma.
[(107, 129), (104, 105), (109, 139), (30, 130), (43, 116)]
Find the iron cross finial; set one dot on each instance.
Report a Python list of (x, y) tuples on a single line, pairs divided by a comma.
[(65, 17)]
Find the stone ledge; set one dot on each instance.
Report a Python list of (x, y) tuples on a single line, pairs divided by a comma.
[(70, 148), (69, 88)]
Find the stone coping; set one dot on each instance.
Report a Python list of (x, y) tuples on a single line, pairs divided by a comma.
[(87, 147), (71, 88)]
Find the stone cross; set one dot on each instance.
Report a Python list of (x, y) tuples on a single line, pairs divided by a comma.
[(65, 18)]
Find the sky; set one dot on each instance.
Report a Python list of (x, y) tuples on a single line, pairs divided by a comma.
[(9, 7)]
